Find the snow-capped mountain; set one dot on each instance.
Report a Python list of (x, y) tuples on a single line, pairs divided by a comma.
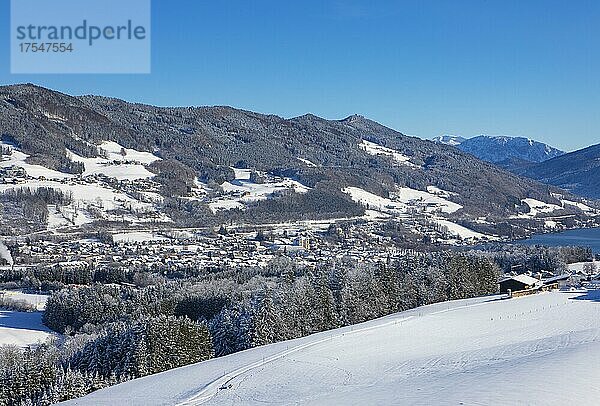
[(509, 152), (577, 172), (452, 140), (497, 149)]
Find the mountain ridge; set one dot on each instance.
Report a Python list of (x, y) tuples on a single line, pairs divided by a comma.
[(199, 150), (502, 149), (577, 171)]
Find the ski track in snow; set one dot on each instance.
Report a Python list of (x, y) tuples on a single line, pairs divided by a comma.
[(213, 388), (536, 350)]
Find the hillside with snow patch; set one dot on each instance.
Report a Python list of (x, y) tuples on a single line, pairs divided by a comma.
[(133, 164), (93, 196)]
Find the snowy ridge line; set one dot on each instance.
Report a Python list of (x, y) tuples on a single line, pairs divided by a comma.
[(214, 387)]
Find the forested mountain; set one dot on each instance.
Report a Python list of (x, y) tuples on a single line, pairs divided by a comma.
[(324, 155), (578, 172)]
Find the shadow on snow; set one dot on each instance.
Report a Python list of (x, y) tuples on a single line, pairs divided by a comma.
[(593, 295), (22, 320)]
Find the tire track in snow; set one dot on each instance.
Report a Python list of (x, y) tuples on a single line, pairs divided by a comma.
[(214, 387)]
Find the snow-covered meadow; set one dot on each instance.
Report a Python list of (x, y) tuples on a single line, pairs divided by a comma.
[(434, 203), (242, 190), (115, 162), (21, 328), (373, 148)]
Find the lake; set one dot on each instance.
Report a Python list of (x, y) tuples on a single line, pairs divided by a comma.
[(585, 237)]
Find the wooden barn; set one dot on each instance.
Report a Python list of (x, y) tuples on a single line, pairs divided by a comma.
[(518, 282)]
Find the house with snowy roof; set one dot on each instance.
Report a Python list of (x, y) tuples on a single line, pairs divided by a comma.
[(518, 282)]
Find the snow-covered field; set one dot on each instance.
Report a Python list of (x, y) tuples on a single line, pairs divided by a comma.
[(119, 162), (535, 350), (23, 329), (259, 191), (536, 207), (403, 199), (579, 205), (116, 162), (460, 231), (18, 158), (373, 201), (96, 195), (116, 169), (433, 203)]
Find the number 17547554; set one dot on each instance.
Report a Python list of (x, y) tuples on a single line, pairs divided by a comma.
[(49, 47)]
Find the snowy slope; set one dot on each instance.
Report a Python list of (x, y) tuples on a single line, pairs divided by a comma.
[(536, 350), (403, 199), (372, 148), (90, 194), (18, 159), (242, 190), (460, 231)]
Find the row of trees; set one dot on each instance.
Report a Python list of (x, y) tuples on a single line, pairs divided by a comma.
[(534, 259)]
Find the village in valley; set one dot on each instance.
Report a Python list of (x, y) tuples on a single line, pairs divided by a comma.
[(104, 226)]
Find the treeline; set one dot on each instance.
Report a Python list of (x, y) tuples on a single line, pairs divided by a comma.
[(44, 194), (51, 278), (534, 259), (411, 281), (147, 346), (55, 277)]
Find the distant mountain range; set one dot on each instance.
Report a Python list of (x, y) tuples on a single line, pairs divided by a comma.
[(577, 172), (509, 152)]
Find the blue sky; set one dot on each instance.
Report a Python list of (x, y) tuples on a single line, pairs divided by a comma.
[(423, 67)]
